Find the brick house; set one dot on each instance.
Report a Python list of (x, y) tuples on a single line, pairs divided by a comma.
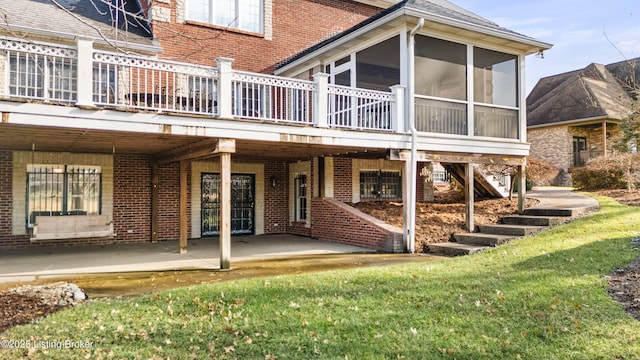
[(176, 120), (575, 116)]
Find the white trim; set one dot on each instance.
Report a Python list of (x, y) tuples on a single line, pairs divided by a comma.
[(299, 168), (21, 159), (532, 43), (145, 123), (199, 167)]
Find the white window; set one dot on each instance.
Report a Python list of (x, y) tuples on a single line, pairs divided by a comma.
[(240, 14), (300, 195)]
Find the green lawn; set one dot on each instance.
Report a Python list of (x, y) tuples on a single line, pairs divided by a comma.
[(542, 297)]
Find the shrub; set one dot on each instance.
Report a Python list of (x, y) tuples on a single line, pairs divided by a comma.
[(616, 171)]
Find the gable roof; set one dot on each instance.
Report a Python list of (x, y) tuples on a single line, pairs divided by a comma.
[(590, 93), (435, 11), (67, 19)]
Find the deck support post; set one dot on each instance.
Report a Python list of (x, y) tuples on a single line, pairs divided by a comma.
[(468, 195), (183, 207), (225, 210), (522, 188)]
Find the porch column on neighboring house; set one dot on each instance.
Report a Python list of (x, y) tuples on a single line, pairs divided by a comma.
[(468, 195), (604, 138)]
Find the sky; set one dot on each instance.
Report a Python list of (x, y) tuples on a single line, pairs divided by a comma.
[(581, 31)]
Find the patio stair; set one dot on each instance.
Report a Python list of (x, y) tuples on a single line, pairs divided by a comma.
[(508, 228)]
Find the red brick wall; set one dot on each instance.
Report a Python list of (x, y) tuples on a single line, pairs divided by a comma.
[(276, 202), (342, 180), (335, 221), (131, 198), (297, 24), (299, 228), (169, 201)]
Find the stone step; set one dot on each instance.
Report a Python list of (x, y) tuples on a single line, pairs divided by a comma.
[(482, 239), (455, 249), (513, 230), (533, 220), (549, 212)]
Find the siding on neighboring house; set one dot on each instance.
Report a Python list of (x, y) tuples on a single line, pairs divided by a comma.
[(552, 144)]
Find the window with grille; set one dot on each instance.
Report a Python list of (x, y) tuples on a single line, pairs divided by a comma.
[(42, 76), (59, 190), (300, 195), (380, 184), (240, 14)]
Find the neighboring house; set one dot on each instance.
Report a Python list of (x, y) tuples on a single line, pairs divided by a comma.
[(118, 135), (575, 116)]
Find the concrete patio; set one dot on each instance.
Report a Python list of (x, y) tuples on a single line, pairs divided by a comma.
[(34, 263)]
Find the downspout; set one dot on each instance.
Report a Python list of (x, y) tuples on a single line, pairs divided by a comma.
[(414, 136)]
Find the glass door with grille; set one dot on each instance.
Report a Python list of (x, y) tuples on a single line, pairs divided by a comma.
[(242, 204)]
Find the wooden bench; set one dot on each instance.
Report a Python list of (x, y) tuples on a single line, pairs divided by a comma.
[(71, 227)]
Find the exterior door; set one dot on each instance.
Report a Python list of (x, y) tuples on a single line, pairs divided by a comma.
[(242, 204), (579, 151)]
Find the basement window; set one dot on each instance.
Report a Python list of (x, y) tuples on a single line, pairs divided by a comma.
[(61, 190), (380, 184)]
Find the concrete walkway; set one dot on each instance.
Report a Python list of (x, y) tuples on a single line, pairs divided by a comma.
[(30, 264), (562, 198)]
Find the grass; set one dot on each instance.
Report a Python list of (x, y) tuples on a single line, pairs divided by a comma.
[(541, 297)]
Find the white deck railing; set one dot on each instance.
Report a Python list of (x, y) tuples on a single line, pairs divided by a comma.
[(156, 85), (266, 97), (38, 71), (84, 76), (359, 108)]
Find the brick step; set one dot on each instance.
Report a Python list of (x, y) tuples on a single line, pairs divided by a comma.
[(513, 230), (532, 220), (455, 249), (482, 239), (550, 212)]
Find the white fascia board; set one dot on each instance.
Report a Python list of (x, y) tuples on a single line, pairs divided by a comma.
[(311, 56), (111, 120), (536, 44)]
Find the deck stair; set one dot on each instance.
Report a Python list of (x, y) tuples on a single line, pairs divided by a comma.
[(508, 228)]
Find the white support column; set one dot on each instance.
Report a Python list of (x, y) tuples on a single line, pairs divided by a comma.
[(522, 102), (224, 87), (225, 211), (522, 188), (321, 100), (468, 196), (408, 206), (470, 93), (85, 72), (397, 108)]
